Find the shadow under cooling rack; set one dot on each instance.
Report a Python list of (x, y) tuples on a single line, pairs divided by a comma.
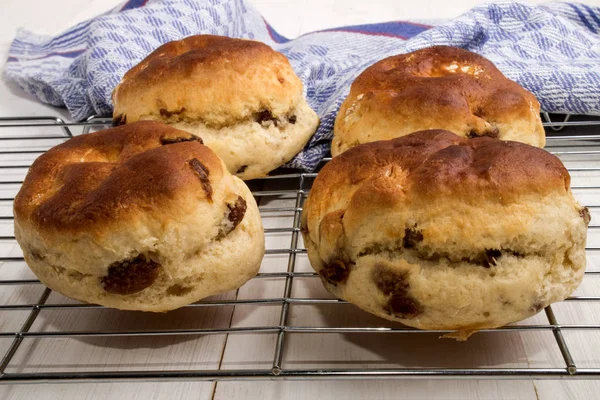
[(281, 324)]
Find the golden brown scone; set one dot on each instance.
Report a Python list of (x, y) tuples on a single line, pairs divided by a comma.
[(436, 88), (139, 217), (442, 232), (242, 97)]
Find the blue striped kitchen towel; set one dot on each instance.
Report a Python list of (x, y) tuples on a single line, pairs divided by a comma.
[(552, 50)]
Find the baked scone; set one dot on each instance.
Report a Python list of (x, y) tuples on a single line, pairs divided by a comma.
[(139, 217), (442, 232), (436, 88), (240, 96)]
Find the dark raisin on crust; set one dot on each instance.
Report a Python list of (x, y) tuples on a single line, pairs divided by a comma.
[(412, 236), (387, 281), (487, 258), (193, 138), (472, 134), (131, 276), (237, 211), (241, 169), (202, 172), (265, 116), (490, 257), (119, 120), (292, 119), (168, 114), (234, 214), (336, 271), (394, 285), (402, 306), (585, 214), (379, 248), (514, 253), (494, 132)]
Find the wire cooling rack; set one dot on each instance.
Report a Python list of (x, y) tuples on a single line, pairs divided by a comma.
[(282, 324)]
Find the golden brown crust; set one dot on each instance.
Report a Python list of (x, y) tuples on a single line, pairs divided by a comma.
[(93, 180), (226, 80), (436, 88), (428, 165)]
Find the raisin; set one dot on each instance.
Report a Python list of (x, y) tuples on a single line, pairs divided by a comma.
[(232, 218), (168, 114), (241, 169), (395, 286), (237, 211), (491, 257), (130, 276), (202, 171), (266, 116), (494, 132), (336, 272), (514, 253), (412, 236), (193, 138), (292, 119), (386, 280), (585, 214), (402, 306), (119, 120)]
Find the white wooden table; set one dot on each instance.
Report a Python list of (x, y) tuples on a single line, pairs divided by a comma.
[(510, 350)]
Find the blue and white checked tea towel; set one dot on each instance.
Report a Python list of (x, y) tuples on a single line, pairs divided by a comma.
[(552, 50)]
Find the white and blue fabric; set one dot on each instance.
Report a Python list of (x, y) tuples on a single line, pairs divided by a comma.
[(552, 50)]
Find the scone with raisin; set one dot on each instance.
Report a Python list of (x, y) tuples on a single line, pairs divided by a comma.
[(439, 231), (438, 87), (140, 217), (241, 96)]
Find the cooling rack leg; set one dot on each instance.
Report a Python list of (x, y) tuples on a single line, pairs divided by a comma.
[(556, 128), (277, 360), (560, 340), (65, 128), (25, 328)]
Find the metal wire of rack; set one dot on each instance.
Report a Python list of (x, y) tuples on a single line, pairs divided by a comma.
[(575, 139)]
